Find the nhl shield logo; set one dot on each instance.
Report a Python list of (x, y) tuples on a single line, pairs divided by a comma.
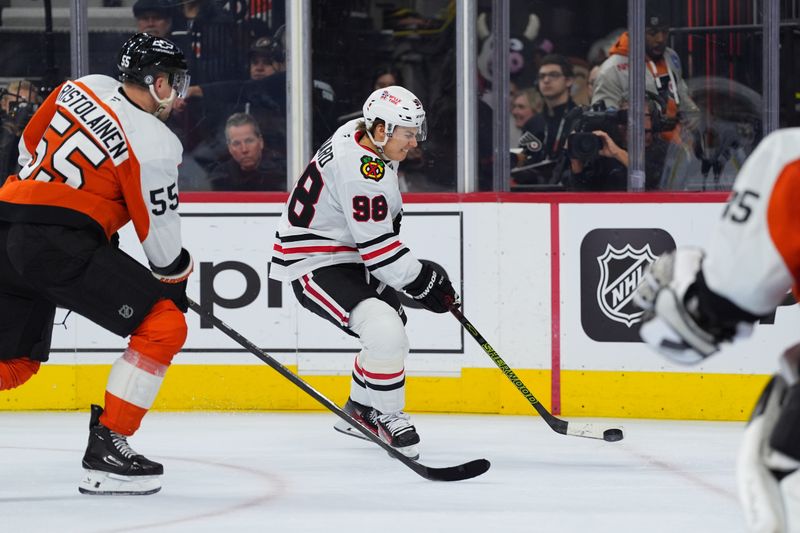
[(612, 261), (620, 274)]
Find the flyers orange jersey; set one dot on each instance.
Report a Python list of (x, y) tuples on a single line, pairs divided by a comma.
[(753, 258), (91, 157)]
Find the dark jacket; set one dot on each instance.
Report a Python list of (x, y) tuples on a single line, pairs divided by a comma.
[(551, 128), (270, 175)]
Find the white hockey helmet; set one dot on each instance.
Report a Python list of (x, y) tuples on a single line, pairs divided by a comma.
[(396, 106)]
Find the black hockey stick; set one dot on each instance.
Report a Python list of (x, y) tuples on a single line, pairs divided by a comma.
[(451, 473), (591, 431)]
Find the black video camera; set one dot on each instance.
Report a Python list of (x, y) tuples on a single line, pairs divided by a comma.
[(584, 145)]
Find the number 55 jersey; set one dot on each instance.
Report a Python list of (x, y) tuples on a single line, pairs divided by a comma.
[(91, 158), (345, 208)]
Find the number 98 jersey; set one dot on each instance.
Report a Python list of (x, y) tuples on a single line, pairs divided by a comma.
[(343, 209), (92, 158)]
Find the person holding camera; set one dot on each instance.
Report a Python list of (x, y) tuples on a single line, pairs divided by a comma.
[(598, 158), (544, 136)]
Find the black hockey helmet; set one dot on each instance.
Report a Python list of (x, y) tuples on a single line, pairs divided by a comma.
[(273, 48), (143, 57)]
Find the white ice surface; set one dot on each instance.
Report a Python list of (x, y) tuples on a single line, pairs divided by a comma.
[(274, 472)]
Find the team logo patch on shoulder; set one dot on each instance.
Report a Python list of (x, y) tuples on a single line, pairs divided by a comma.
[(372, 168)]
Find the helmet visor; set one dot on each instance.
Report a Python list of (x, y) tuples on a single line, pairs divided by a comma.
[(179, 81), (422, 131), (419, 132)]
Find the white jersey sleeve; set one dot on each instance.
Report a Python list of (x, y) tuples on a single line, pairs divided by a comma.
[(151, 189), (753, 258)]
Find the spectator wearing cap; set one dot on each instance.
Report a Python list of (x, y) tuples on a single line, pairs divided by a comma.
[(663, 76), (251, 167), (266, 58), (154, 17), (267, 84)]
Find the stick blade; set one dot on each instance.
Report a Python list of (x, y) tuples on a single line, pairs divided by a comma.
[(595, 431), (455, 473)]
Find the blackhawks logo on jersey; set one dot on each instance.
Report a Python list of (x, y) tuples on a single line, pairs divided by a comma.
[(372, 168)]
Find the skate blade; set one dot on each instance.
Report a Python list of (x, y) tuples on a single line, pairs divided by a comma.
[(97, 483), (347, 429), (412, 452)]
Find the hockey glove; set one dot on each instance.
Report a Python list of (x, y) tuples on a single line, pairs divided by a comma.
[(174, 278), (432, 288), (683, 320)]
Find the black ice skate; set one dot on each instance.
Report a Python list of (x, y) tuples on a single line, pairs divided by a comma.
[(396, 430), (113, 467), (362, 415)]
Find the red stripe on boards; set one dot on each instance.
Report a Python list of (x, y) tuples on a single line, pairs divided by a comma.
[(555, 313)]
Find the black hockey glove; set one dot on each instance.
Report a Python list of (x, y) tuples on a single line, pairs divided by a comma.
[(174, 278), (433, 288)]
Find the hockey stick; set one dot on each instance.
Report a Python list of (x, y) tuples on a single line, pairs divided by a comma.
[(591, 431), (451, 473)]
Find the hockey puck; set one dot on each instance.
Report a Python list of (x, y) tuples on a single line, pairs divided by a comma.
[(612, 435)]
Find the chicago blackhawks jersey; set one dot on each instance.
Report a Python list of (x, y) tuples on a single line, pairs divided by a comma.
[(343, 209), (90, 157), (758, 231)]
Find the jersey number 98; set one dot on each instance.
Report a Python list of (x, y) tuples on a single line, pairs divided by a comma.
[(365, 209)]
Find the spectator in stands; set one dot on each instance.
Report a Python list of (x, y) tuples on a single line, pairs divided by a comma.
[(207, 35), (524, 106), (250, 167), (608, 171), (267, 57), (590, 82), (580, 86), (154, 17), (263, 97), (18, 101), (544, 136), (662, 73), (386, 77)]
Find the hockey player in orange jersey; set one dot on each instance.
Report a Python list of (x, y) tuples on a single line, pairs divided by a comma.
[(694, 300), (94, 156)]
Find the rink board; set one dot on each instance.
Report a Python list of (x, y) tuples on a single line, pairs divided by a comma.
[(545, 278)]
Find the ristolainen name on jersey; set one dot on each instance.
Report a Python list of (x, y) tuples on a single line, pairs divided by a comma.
[(103, 127)]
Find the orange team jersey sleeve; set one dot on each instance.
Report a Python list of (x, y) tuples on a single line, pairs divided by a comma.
[(90, 150), (753, 258)]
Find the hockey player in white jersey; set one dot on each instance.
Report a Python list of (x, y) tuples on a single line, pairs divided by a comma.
[(338, 244), (695, 300)]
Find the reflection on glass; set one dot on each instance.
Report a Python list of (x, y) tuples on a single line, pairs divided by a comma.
[(32, 63), (235, 55), (358, 47), (721, 49), (237, 60), (553, 49)]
